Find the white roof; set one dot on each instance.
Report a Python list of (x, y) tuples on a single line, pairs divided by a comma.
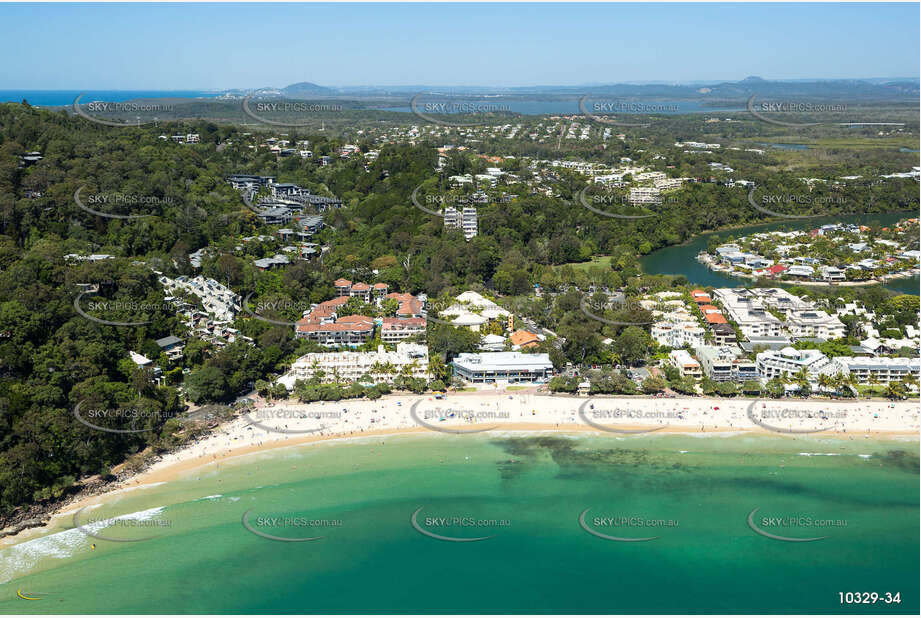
[(469, 319)]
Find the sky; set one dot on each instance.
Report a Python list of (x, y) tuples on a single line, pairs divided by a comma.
[(221, 46)]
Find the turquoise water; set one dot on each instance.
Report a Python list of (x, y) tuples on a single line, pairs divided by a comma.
[(681, 259), (530, 490)]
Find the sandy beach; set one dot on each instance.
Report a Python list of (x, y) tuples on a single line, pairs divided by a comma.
[(276, 425)]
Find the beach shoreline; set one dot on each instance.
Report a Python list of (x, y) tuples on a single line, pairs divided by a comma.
[(269, 427)]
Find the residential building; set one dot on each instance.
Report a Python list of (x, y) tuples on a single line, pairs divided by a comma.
[(725, 363), (522, 339), (171, 346), (396, 329), (350, 330), (815, 323), (746, 310), (678, 334), (686, 364)]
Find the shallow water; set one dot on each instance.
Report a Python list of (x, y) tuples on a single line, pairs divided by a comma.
[(524, 491)]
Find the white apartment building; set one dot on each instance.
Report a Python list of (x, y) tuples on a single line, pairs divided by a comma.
[(216, 300), (788, 361), (747, 310), (880, 370), (644, 195), (677, 334), (408, 359), (664, 184), (469, 222), (686, 364), (465, 220), (815, 323)]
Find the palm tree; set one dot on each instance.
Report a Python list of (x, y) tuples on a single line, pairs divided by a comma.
[(826, 381), (801, 379), (437, 367)]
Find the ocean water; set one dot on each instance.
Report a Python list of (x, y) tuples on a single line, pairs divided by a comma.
[(525, 493), (66, 97)]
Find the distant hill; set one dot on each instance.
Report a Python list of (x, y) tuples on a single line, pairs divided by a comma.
[(302, 89), (875, 89)]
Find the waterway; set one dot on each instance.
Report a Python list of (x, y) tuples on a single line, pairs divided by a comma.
[(681, 259)]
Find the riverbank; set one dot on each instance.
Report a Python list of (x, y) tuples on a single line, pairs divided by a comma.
[(284, 425), (680, 259), (713, 265)]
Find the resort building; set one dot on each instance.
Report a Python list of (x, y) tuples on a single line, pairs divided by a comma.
[(881, 370), (410, 359), (489, 367), (788, 361)]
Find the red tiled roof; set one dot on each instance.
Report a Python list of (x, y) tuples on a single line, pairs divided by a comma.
[(777, 269), (336, 327), (334, 303), (360, 287), (715, 318), (354, 319), (339, 283), (401, 323), (380, 286), (524, 338)]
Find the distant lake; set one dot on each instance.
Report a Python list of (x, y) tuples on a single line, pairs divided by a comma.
[(66, 97), (787, 146), (682, 259)]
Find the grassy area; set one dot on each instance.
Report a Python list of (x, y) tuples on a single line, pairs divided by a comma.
[(516, 388), (599, 260)]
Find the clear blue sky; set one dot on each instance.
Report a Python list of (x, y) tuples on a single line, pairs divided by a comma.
[(205, 46)]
